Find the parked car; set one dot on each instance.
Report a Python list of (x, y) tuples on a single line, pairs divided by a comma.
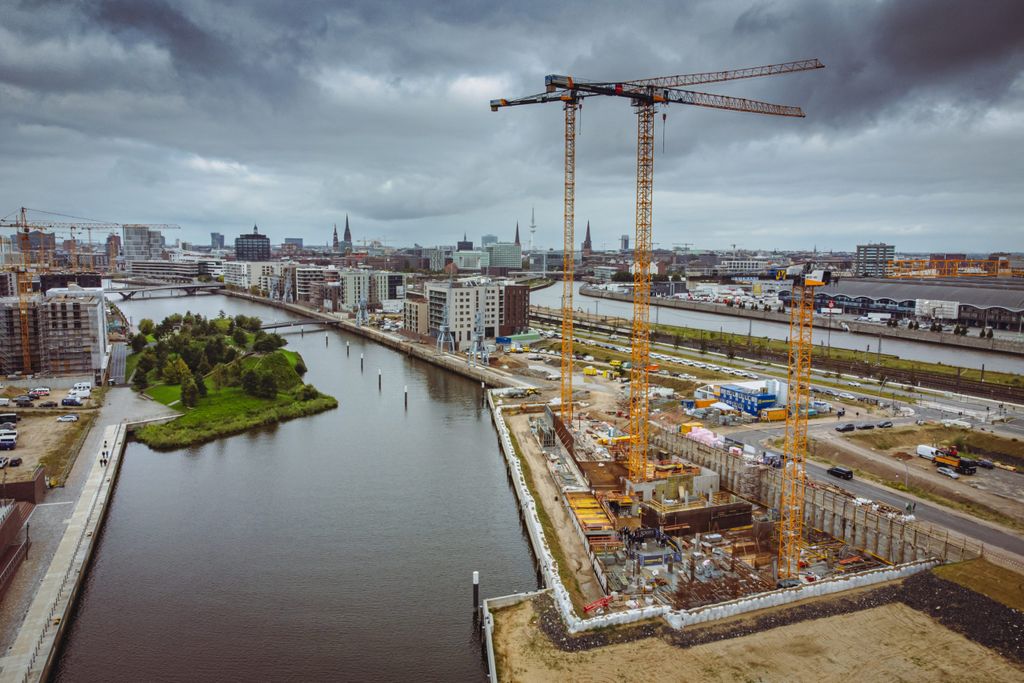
[(841, 472), (885, 425), (848, 427), (847, 396), (48, 404), (865, 425), (851, 383), (42, 391), (23, 402), (948, 471), (987, 464), (70, 401), (3, 463), (4, 426), (67, 418), (14, 462), (5, 401), (8, 443)]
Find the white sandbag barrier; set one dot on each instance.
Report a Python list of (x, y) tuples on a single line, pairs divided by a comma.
[(675, 618)]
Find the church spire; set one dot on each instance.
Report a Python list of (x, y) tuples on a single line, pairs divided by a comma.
[(334, 243), (348, 232), (517, 233), (587, 247)]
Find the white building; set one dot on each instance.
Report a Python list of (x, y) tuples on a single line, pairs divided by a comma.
[(246, 274), (504, 305)]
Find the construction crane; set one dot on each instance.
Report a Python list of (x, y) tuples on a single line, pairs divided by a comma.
[(798, 398), (645, 95), (571, 104), (932, 268)]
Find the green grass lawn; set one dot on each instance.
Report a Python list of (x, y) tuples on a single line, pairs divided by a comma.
[(165, 393)]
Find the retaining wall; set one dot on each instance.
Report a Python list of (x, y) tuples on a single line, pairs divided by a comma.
[(675, 617)]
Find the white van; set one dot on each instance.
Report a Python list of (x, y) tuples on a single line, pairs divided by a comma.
[(80, 394), (82, 386), (927, 452), (5, 401)]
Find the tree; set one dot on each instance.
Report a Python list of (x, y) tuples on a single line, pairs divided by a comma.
[(265, 343), (189, 392), (147, 361), (139, 381), (217, 376), (169, 372), (197, 377), (259, 383), (138, 342), (300, 367), (307, 393), (240, 338), (146, 326)]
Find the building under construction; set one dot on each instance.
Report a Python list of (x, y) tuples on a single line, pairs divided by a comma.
[(67, 334)]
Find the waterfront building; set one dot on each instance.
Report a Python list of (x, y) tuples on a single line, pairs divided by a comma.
[(246, 274), (467, 260), (504, 305), (872, 260), (164, 270), (416, 315), (501, 257)]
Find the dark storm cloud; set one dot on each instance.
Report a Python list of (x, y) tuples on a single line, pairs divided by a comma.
[(293, 113)]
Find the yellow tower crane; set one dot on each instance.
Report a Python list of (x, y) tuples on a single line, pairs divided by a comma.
[(571, 104), (646, 95), (798, 399)]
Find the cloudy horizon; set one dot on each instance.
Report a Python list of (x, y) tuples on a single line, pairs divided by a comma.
[(218, 116)]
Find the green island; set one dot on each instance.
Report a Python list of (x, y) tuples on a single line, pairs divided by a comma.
[(225, 374)]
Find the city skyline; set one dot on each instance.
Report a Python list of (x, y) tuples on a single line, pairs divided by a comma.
[(197, 115)]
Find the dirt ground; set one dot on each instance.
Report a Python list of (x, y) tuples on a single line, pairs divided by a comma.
[(546, 490), (42, 438), (888, 643)]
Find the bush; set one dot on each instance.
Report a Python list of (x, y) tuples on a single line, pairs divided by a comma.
[(300, 367), (146, 326), (307, 393), (240, 338), (139, 381)]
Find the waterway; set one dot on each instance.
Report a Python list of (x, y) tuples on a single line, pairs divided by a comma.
[(333, 547), (934, 353)]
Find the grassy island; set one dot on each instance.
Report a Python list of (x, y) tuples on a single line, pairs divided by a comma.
[(224, 374)]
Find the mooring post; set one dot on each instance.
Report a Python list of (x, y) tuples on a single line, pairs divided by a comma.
[(378, 379), (476, 592), (348, 349), (406, 391), (360, 362)]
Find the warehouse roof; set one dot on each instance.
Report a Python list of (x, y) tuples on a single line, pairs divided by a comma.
[(992, 293)]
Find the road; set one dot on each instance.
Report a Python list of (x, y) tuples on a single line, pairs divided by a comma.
[(118, 357)]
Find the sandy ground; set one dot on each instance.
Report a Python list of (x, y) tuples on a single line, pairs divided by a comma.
[(888, 643), (39, 433), (545, 487)]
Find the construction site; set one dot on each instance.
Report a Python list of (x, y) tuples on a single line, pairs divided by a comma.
[(53, 316), (641, 521)]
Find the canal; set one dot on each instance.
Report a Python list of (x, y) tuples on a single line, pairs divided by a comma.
[(333, 547), (934, 353)]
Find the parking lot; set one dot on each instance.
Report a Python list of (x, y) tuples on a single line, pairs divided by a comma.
[(42, 438)]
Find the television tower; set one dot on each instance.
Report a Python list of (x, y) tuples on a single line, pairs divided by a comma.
[(533, 228)]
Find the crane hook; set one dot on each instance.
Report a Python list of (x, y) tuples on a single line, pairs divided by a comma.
[(663, 117)]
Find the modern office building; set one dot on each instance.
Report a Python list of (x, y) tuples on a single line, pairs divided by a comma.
[(142, 243), (500, 258), (253, 246), (872, 260), (216, 240)]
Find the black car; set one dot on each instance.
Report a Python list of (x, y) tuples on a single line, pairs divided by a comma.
[(14, 462), (70, 402), (841, 472), (885, 425), (23, 402), (987, 464), (48, 404), (848, 427), (865, 425)]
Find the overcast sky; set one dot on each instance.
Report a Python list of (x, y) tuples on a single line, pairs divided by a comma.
[(218, 115)]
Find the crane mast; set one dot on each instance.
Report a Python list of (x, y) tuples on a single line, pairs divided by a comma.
[(798, 398), (568, 259)]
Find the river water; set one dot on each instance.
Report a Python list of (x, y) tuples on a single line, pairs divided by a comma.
[(934, 353), (332, 547)]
